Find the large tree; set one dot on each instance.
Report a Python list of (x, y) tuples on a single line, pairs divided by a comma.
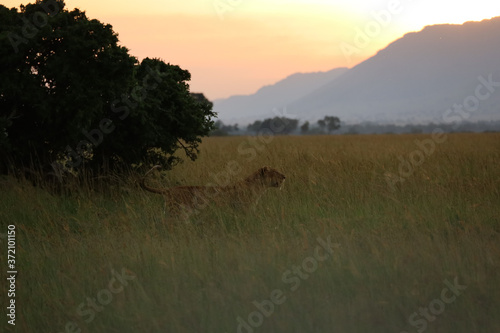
[(69, 92), (330, 123)]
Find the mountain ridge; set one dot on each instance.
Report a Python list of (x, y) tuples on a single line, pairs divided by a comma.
[(273, 96), (415, 79)]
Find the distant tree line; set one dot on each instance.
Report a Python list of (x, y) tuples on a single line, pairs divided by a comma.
[(280, 125), (333, 125), (374, 128), (277, 125)]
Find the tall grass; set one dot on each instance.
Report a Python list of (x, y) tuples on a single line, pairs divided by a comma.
[(394, 245)]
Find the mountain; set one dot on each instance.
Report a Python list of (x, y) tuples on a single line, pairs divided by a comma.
[(415, 79), (247, 108)]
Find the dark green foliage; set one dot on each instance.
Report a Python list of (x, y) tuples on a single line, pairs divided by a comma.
[(304, 128), (329, 123), (69, 91), (276, 125), (222, 129)]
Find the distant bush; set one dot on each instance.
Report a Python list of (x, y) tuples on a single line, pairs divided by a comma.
[(277, 125), (220, 129), (329, 124)]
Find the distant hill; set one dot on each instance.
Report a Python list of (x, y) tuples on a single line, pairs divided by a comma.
[(413, 80), (246, 108)]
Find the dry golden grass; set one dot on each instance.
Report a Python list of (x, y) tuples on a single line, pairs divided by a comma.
[(397, 239)]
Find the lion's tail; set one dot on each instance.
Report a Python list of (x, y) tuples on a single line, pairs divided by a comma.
[(152, 189)]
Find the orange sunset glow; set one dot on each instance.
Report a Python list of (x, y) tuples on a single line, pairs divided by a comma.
[(250, 166), (235, 47)]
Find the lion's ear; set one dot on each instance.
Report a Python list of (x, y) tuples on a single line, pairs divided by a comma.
[(263, 170)]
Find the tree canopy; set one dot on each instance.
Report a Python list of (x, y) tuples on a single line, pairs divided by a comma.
[(331, 123), (222, 129), (69, 92), (277, 125)]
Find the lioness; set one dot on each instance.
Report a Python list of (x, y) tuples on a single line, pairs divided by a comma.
[(190, 199)]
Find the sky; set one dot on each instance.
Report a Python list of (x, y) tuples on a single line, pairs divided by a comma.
[(234, 47)]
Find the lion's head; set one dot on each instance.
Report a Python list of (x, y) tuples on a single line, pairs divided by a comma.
[(267, 177)]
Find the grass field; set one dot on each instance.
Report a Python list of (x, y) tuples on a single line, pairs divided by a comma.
[(369, 234)]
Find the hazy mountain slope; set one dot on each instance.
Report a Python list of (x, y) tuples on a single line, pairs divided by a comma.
[(280, 94), (416, 78)]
